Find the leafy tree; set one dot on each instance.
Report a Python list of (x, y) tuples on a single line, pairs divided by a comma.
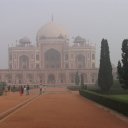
[(77, 78), (122, 69), (82, 80), (105, 77), (119, 72)]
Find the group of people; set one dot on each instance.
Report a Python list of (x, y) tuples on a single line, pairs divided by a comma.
[(4, 89), (24, 90)]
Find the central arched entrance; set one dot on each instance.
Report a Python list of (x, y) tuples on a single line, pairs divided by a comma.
[(24, 62), (51, 78), (80, 61), (52, 59)]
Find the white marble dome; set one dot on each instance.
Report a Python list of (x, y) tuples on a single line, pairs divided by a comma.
[(51, 30)]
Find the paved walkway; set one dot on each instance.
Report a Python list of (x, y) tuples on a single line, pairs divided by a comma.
[(59, 108), (12, 99)]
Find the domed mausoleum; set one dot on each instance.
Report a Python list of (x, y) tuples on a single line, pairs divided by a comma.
[(51, 30), (51, 61)]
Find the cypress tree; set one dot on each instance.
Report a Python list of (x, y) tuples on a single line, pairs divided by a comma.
[(122, 69), (82, 80), (119, 72), (105, 77), (77, 78)]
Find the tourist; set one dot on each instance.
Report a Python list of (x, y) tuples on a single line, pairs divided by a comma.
[(5, 90), (21, 89), (44, 88), (13, 89), (40, 88), (27, 90), (9, 88)]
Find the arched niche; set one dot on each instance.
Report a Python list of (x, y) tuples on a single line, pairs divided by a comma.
[(52, 59), (24, 62)]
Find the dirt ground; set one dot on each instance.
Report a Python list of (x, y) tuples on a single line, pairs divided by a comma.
[(59, 108), (12, 99)]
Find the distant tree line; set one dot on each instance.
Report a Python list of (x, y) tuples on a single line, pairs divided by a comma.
[(105, 78), (122, 68), (79, 79)]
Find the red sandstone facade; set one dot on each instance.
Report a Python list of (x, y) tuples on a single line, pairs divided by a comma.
[(52, 61)]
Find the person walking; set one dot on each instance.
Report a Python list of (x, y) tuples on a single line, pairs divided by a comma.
[(21, 89), (44, 88), (40, 88), (27, 90), (5, 90)]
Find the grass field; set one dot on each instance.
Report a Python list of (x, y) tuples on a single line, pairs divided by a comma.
[(123, 98)]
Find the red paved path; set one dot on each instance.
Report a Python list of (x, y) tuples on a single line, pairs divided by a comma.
[(62, 109), (12, 99)]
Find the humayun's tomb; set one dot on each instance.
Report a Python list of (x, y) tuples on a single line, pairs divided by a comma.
[(53, 60)]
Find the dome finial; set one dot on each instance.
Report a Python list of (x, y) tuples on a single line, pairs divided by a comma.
[(52, 18)]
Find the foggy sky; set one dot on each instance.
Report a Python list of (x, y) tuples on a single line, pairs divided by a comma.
[(91, 19)]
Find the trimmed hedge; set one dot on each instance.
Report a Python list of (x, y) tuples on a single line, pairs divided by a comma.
[(2, 87), (1, 92), (114, 104), (73, 88)]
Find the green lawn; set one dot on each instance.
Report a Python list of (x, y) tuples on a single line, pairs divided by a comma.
[(119, 97)]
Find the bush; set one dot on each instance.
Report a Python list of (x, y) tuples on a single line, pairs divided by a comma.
[(2, 87), (115, 89), (73, 88), (117, 105), (1, 92)]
